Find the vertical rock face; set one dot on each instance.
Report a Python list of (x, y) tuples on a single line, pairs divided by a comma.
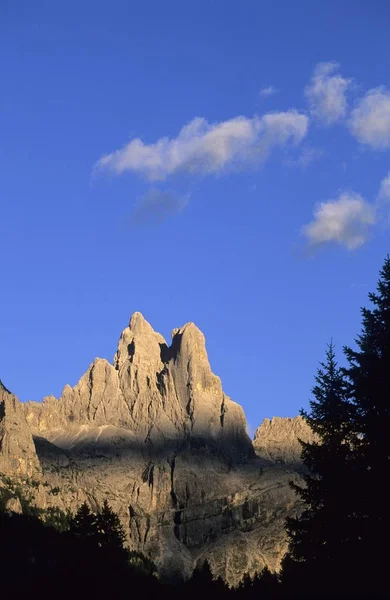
[(211, 415), (138, 364), (17, 449), (155, 435)]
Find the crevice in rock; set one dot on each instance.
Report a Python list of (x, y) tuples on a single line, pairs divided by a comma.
[(165, 353), (131, 350), (173, 493), (177, 520), (148, 474), (174, 348), (160, 383), (190, 405), (223, 411), (147, 529), (90, 382)]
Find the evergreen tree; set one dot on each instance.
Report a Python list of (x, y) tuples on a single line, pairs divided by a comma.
[(203, 583), (100, 549), (84, 523), (111, 534), (37, 558), (368, 376), (266, 585), (202, 576), (245, 587), (319, 538), (57, 518)]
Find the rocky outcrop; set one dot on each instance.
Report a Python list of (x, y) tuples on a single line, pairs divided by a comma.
[(17, 450), (13, 506), (155, 435), (277, 439)]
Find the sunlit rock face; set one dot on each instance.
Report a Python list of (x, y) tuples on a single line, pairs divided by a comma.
[(277, 439), (17, 450), (155, 435), (160, 395)]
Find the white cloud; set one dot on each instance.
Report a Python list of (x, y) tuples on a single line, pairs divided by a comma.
[(370, 120), (268, 90), (326, 93), (206, 148), (345, 220), (384, 189)]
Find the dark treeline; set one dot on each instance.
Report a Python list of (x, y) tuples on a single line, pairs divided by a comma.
[(57, 555), (337, 546)]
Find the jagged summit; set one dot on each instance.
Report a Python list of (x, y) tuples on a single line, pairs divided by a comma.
[(139, 324), (158, 393), (190, 325), (137, 317)]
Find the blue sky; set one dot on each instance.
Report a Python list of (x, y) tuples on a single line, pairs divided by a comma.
[(220, 162)]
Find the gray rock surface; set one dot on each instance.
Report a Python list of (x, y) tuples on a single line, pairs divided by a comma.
[(156, 436), (13, 506), (17, 450), (277, 439)]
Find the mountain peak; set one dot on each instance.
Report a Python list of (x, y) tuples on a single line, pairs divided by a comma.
[(138, 321), (154, 392)]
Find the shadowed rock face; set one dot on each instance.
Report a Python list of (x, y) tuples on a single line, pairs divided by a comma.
[(155, 435)]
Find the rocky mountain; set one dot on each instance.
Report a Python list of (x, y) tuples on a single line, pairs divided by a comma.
[(155, 435)]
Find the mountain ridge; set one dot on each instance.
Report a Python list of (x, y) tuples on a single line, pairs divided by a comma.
[(155, 435)]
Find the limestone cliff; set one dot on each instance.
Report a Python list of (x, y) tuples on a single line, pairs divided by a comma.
[(277, 439), (155, 435), (17, 450)]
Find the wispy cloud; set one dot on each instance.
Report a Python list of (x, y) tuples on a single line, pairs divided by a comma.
[(346, 220), (306, 156), (384, 188), (358, 285), (383, 202), (204, 148), (326, 93), (157, 205), (268, 90), (370, 119)]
